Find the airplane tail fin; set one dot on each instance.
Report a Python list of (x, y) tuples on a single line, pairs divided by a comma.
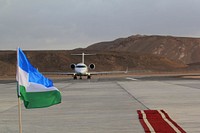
[(83, 56)]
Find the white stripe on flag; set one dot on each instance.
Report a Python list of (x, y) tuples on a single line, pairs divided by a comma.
[(34, 87), (22, 77)]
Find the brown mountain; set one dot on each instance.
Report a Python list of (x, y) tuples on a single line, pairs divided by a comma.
[(59, 61), (182, 49), (155, 53)]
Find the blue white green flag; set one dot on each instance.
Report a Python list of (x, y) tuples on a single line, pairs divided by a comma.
[(34, 89)]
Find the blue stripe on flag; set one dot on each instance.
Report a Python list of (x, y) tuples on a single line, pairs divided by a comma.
[(34, 75), (23, 62)]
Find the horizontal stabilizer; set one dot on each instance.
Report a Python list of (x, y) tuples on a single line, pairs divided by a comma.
[(83, 54)]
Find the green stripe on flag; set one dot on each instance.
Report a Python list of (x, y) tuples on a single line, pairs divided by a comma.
[(39, 99)]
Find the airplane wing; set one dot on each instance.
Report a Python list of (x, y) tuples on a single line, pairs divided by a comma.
[(58, 73), (91, 73), (108, 72)]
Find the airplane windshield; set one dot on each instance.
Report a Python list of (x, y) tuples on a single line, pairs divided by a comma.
[(80, 66)]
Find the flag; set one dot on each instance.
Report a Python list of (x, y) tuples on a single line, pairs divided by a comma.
[(34, 89)]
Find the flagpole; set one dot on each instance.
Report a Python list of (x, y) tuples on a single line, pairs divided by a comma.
[(20, 115), (18, 95)]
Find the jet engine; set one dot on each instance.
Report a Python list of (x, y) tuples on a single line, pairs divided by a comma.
[(72, 66), (92, 66)]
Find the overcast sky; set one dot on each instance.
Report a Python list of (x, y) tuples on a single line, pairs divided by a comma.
[(69, 24)]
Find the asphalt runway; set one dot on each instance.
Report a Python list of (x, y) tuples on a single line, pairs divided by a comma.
[(105, 105)]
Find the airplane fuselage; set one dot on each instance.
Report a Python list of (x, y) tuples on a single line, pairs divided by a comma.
[(81, 69)]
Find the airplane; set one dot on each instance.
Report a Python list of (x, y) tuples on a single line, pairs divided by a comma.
[(81, 69)]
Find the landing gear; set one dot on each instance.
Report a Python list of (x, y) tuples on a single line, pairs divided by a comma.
[(88, 77), (75, 77)]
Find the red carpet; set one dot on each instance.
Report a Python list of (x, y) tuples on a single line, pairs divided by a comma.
[(158, 121)]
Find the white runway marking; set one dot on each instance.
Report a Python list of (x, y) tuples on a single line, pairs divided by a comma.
[(131, 78)]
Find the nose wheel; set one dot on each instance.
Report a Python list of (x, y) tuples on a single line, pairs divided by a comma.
[(88, 77)]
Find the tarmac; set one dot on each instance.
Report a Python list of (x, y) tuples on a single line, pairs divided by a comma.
[(105, 105)]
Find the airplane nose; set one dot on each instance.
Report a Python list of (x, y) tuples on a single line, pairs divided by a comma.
[(80, 71)]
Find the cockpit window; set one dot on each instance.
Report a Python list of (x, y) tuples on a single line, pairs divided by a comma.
[(81, 66)]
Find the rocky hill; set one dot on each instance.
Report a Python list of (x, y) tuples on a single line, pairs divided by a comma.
[(182, 49), (155, 53), (59, 61)]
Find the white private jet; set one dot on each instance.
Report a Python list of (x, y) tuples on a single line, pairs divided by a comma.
[(81, 69)]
